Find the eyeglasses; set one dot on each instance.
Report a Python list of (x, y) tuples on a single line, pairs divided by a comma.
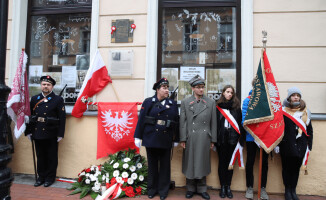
[(200, 87)]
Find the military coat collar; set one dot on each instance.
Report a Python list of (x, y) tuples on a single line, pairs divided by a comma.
[(201, 105)]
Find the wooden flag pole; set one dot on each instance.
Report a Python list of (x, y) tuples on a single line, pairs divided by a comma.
[(260, 169), (261, 149)]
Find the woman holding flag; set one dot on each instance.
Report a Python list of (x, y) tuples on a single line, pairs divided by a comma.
[(229, 130), (297, 140)]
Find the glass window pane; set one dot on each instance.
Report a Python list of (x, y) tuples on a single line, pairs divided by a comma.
[(59, 47), (203, 40)]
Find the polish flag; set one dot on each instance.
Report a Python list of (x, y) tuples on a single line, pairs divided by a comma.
[(97, 78)]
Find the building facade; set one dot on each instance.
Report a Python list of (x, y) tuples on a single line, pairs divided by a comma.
[(221, 39)]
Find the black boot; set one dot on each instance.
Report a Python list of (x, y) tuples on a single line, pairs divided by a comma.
[(287, 194), (294, 194), (228, 192), (222, 192)]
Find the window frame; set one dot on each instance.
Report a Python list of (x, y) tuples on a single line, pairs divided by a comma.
[(205, 3)]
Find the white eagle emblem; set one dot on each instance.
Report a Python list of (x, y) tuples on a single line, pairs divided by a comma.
[(115, 126), (274, 97)]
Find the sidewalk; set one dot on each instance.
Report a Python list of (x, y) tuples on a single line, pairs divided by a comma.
[(23, 189)]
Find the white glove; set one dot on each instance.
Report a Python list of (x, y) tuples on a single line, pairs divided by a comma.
[(29, 137), (257, 144), (137, 142), (175, 144), (214, 148), (59, 138), (277, 149)]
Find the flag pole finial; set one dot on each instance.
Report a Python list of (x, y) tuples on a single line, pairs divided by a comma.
[(264, 38)]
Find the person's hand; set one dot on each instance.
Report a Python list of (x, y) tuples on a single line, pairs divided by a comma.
[(137, 142), (212, 145), (277, 149), (29, 137), (59, 138), (257, 144), (175, 144), (183, 144)]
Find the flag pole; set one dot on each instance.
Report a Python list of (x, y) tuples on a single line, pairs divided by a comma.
[(261, 149)]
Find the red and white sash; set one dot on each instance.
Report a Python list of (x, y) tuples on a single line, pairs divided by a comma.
[(111, 193), (226, 113), (297, 122), (305, 159), (237, 154)]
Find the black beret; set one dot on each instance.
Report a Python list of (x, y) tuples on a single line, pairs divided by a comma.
[(162, 81), (48, 79)]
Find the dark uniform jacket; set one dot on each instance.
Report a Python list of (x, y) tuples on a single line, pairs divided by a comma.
[(232, 137), (290, 146), (54, 114), (150, 126)]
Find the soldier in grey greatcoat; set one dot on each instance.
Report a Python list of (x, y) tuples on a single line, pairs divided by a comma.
[(197, 136)]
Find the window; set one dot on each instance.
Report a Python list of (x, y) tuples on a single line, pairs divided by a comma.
[(58, 44), (199, 37)]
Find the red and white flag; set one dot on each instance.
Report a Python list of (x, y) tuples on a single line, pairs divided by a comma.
[(18, 100), (116, 124), (96, 79)]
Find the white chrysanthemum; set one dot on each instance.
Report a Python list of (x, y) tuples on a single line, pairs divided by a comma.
[(125, 166), (107, 174), (116, 165), (103, 177), (134, 176), (130, 181), (111, 162), (97, 173), (141, 178), (132, 168), (124, 175), (116, 173), (139, 165), (87, 174), (119, 180), (126, 159), (87, 181), (82, 174), (92, 177)]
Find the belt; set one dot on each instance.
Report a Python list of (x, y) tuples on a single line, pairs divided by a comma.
[(41, 119), (161, 122)]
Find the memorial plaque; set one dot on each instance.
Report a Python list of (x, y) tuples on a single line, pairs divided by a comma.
[(123, 32)]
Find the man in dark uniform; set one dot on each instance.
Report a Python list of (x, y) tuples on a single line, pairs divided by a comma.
[(46, 128), (157, 128)]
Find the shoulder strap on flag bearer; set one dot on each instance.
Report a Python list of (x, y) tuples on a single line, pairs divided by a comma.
[(297, 121), (230, 118), (40, 101)]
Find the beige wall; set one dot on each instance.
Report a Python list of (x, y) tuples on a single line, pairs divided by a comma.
[(294, 44)]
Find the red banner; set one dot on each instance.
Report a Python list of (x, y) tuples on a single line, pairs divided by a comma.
[(264, 118), (116, 124)]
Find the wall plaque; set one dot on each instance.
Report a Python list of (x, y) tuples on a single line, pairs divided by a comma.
[(123, 32)]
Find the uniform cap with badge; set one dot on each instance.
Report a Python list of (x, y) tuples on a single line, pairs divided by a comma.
[(48, 79), (196, 80), (162, 81)]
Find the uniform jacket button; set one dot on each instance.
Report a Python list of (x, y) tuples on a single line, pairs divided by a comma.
[(193, 122), (35, 128), (44, 113), (193, 130), (46, 106), (43, 129), (167, 115), (158, 114), (156, 129)]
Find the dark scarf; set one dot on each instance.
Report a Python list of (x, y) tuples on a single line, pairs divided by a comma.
[(226, 105)]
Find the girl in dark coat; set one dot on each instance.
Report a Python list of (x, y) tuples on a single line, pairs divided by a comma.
[(227, 137), (295, 141)]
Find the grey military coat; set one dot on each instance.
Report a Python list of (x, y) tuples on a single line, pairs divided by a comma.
[(198, 128)]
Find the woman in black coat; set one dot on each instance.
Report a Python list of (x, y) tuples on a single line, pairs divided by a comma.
[(295, 141), (227, 137)]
